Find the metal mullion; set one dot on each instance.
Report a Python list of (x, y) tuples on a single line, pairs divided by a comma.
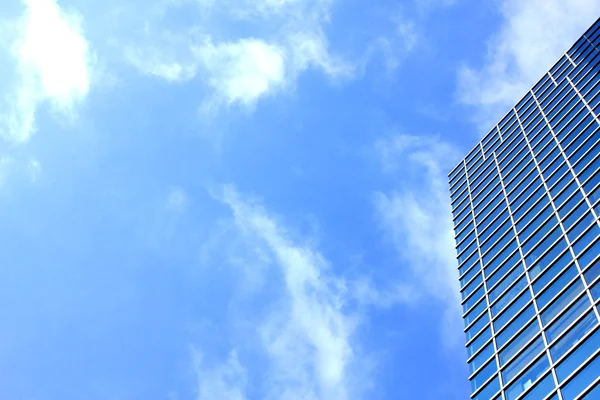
[(570, 60), (591, 63), (548, 88), (487, 298), (564, 94), (594, 82), (507, 161), (584, 364), (487, 198), (552, 78), (518, 173), (562, 67), (579, 124), (562, 151), (566, 108), (477, 215), (512, 269), (529, 209), (522, 260), (512, 285), (553, 98), (539, 317), (569, 244), (521, 351), (572, 324), (508, 143)]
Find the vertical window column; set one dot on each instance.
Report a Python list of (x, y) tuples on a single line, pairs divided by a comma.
[(529, 286), (487, 298), (579, 186)]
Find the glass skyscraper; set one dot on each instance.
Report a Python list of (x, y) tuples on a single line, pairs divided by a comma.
[(526, 202)]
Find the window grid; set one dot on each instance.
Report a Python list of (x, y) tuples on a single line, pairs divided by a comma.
[(557, 215), (487, 300), (538, 168), (529, 282)]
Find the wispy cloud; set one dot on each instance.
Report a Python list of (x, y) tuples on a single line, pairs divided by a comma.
[(53, 64), (533, 35), (282, 39), (308, 338), (225, 381), (416, 217), (304, 333)]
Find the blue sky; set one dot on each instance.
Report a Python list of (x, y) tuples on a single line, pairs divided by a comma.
[(236, 199)]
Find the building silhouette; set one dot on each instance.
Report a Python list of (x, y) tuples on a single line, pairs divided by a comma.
[(526, 207)]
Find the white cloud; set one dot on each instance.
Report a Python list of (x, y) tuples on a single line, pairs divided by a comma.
[(243, 71), (532, 37), (53, 64), (153, 63), (307, 334), (416, 216), (282, 39), (225, 381)]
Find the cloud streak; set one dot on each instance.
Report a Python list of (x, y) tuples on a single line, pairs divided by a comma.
[(282, 39), (416, 217)]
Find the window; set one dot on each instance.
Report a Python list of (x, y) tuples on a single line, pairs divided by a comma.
[(482, 339), (502, 271), (477, 326), (465, 254), (586, 239), (579, 227), (574, 335), (538, 262), (467, 305), (562, 301), (468, 240), (469, 274), (475, 312), (508, 296), (506, 282), (501, 231), (512, 310), (592, 274), (515, 326), (481, 358), (465, 266), (535, 196), (490, 389), (523, 359), (542, 389), (577, 357), (471, 286), (526, 381), (551, 272), (543, 238), (582, 380), (503, 221), (563, 322), (503, 255), (576, 213), (550, 293), (521, 340), (483, 375), (535, 223)]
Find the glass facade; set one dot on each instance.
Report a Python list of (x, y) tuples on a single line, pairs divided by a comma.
[(526, 206)]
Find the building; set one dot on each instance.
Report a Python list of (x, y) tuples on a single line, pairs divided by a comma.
[(526, 206)]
